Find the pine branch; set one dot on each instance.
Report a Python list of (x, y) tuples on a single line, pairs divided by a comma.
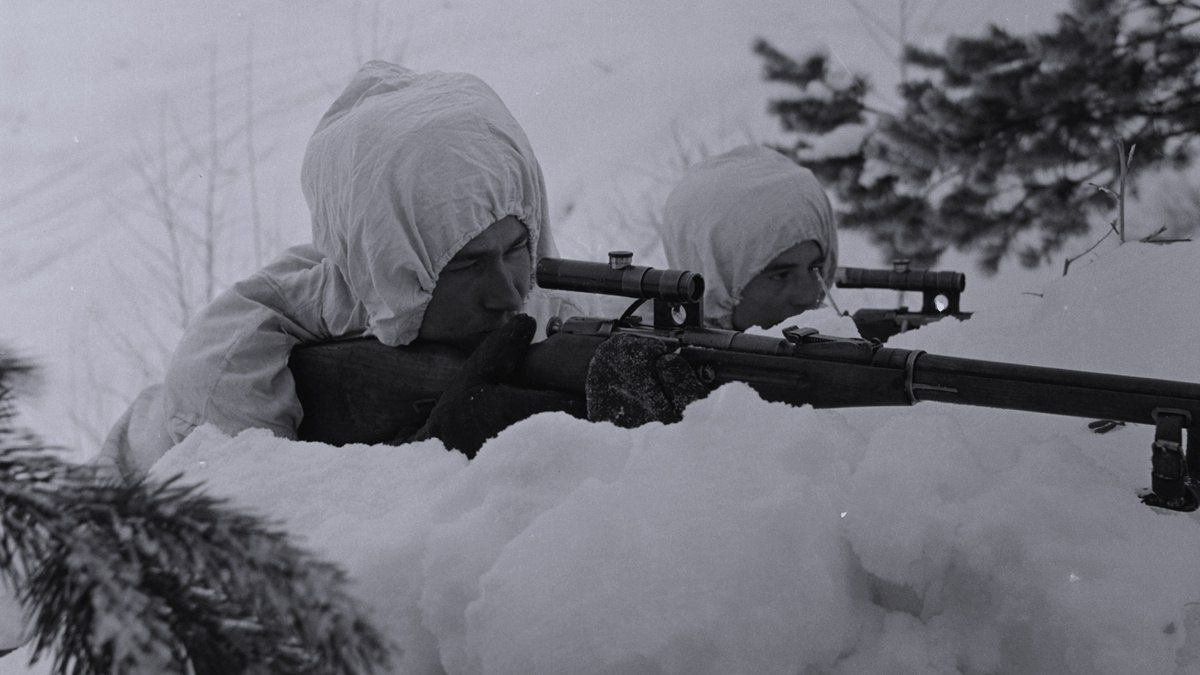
[(15, 374), (162, 578), (1025, 114)]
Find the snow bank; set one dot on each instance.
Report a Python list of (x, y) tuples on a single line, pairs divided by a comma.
[(757, 537), (760, 538)]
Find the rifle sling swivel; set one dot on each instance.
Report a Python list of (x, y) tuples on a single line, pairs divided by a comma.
[(1172, 487)]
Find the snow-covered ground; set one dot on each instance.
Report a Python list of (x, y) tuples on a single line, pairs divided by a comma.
[(752, 537), (761, 538)]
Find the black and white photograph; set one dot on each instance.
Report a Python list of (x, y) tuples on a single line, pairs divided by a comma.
[(648, 337)]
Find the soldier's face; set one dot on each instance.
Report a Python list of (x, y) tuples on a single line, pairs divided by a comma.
[(481, 287), (787, 286)]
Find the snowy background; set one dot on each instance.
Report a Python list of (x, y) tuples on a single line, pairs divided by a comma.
[(753, 537), (139, 136)]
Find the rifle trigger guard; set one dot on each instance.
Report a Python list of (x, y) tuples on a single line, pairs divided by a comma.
[(909, 366)]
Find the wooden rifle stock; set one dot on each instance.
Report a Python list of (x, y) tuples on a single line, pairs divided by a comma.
[(361, 391)]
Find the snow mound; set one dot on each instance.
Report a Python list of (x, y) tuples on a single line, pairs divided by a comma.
[(762, 538)]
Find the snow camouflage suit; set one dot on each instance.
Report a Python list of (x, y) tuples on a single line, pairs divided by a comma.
[(402, 171), (730, 215)]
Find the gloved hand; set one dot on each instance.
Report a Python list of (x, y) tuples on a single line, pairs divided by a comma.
[(633, 380), (478, 404)]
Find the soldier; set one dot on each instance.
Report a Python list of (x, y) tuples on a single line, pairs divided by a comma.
[(428, 215), (761, 231)]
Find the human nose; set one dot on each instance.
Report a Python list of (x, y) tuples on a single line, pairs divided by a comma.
[(501, 289), (804, 293)]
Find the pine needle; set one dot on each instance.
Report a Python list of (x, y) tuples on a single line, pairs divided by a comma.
[(162, 578)]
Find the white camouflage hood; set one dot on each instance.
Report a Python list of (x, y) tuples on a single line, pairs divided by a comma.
[(402, 171), (732, 214)]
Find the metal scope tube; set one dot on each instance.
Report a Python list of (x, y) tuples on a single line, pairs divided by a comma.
[(911, 280), (632, 281)]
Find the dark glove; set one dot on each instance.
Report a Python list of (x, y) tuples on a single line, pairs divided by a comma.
[(633, 380), (478, 404)]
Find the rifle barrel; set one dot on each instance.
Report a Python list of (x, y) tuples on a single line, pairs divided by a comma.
[(1056, 391)]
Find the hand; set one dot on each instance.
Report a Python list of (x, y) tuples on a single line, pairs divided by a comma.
[(478, 404), (633, 380)]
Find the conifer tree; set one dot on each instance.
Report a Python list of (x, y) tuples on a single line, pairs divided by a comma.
[(161, 578), (1000, 148)]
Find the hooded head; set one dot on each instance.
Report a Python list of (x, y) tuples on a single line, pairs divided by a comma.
[(403, 171), (731, 215)]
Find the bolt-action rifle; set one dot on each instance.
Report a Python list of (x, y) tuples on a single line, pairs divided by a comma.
[(940, 292), (361, 391)]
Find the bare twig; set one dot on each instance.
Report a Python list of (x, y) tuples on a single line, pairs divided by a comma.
[(210, 195), (1068, 261), (1116, 226), (251, 156), (1126, 161), (1153, 238)]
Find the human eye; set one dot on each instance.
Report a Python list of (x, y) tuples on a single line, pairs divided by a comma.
[(460, 264), (521, 246), (780, 277)]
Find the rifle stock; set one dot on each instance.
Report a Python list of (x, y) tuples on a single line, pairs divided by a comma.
[(362, 391), (359, 391)]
